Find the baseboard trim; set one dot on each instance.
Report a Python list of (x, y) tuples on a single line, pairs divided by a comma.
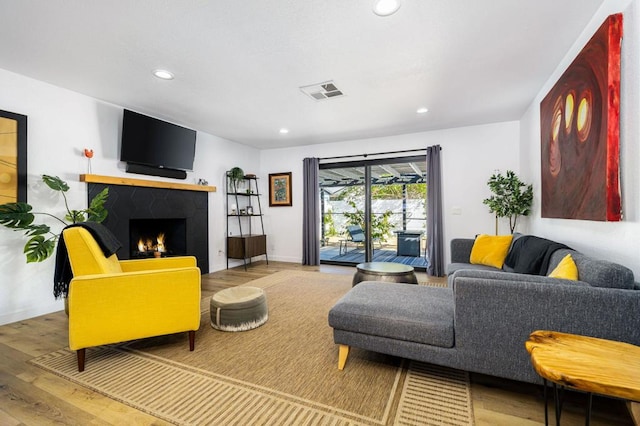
[(24, 314)]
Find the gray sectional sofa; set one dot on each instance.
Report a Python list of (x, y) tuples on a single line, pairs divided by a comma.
[(481, 321)]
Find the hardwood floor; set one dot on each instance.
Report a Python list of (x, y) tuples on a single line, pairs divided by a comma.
[(31, 396)]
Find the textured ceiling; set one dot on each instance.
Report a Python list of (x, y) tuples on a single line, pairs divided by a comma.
[(239, 64)]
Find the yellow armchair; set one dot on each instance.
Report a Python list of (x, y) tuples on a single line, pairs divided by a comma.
[(112, 301)]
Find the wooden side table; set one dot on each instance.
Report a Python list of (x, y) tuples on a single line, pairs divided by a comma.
[(587, 364)]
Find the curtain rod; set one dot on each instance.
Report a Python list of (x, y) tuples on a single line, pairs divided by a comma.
[(376, 153)]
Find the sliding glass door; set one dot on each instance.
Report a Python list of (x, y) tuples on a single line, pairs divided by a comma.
[(343, 203), (374, 210)]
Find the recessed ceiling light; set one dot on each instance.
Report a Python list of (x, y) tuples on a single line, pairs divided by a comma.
[(422, 110), (163, 74), (385, 7), (284, 131)]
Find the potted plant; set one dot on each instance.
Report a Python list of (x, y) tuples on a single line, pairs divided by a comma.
[(42, 240), (511, 198), (236, 175)]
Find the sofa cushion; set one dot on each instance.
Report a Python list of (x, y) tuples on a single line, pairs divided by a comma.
[(596, 272), (490, 250), (512, 277), (453, 267), (412, 313)]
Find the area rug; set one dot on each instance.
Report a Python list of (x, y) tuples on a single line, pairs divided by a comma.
[(282, 373)]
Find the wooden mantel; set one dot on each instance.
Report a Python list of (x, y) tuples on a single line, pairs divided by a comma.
[(113, 180)]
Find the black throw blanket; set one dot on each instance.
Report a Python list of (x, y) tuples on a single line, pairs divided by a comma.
[(63, 273), (531, 255)]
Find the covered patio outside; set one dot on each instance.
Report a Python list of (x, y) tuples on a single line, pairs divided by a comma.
[(398, 205)]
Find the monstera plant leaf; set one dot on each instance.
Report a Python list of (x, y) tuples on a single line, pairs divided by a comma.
[(75, 216), (96, 211), (16, 215), (37, 230), (19, 216), (38, 248), (55, 183)]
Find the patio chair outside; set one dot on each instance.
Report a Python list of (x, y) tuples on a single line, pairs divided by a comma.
[(356, 235)]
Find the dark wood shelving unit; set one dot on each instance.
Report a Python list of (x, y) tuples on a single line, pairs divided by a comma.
[(242, 242)]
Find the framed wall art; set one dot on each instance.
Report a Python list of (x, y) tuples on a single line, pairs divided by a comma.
[(13, 157), (580, 133), (280, 189)]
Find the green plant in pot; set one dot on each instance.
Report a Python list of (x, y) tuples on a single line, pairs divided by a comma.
[(236, 175), (41, 239), (511, 198)]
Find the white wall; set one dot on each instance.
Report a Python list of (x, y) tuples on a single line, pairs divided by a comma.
[(470, 155), (61, 124), (614, 241)]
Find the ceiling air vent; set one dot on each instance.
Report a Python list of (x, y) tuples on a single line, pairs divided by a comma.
[(322, 91)]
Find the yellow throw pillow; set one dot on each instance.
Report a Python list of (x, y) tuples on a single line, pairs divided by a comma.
[(566, 269), (490, 250)]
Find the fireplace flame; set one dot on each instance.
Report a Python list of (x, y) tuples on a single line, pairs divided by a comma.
[(148, 245), (160, 240)]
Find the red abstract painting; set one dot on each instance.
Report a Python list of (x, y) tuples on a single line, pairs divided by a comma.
[(580, 132)]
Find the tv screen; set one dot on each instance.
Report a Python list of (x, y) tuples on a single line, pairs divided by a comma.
[(152, 142)]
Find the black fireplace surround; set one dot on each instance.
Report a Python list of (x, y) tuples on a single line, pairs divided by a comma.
[(133, 202)]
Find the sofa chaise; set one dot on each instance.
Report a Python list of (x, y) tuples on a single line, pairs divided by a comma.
[(481, 320)]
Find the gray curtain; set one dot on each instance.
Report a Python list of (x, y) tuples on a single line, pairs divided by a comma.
[(310, 213), (435, 237)]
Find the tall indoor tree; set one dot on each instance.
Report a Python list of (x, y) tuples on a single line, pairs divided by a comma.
[(511, 198)]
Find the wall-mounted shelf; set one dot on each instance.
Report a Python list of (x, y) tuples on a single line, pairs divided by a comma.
[(113, 180)]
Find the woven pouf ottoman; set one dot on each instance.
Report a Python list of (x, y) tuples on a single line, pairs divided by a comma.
[(239, 309)]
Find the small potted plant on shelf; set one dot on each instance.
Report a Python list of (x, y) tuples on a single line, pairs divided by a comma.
[(236, 175)]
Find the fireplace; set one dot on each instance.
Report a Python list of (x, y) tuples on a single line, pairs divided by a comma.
[(135, 206), (157, 237)]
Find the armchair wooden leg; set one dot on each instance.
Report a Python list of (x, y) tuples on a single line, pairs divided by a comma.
[(81, 353), (192, 340), (343, 353)]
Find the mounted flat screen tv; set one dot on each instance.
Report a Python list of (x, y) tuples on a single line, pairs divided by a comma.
[(156, 147)]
